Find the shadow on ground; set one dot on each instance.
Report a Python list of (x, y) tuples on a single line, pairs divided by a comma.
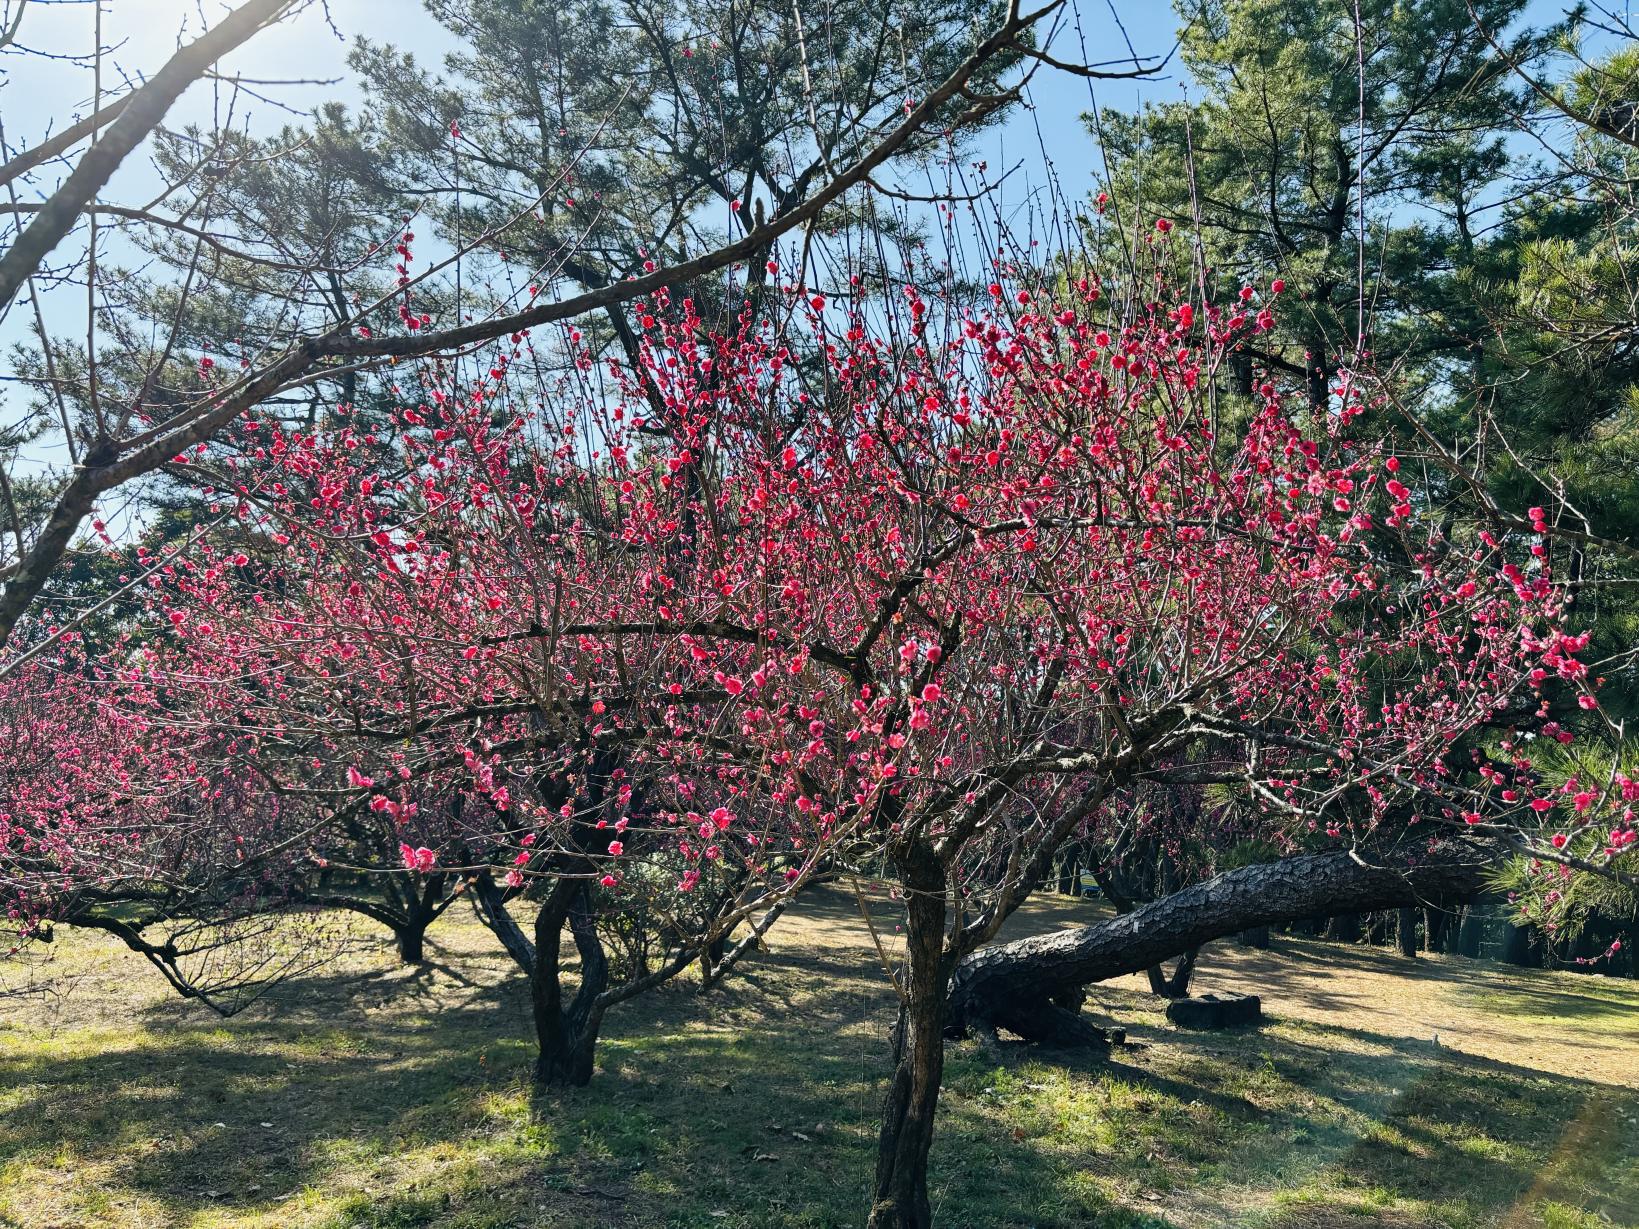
[(388, 1098)]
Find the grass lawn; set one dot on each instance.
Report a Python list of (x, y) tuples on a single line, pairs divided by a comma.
[(381, 1097)]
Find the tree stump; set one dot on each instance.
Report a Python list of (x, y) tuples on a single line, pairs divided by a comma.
[(1216, 1011)]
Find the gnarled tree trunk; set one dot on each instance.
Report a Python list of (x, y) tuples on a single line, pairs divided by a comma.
[(416, 910), (567, 1034), (900, 1200), (1008, 985)]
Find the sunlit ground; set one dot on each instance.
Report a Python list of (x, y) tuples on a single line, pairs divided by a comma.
[(379, 1096)]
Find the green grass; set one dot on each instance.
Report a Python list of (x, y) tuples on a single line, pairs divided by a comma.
[(376, 1097)]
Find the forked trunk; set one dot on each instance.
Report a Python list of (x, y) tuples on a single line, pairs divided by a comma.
[(416, 906), (901, 1197), (568, 1034), (1176, 986), (565, 1060)]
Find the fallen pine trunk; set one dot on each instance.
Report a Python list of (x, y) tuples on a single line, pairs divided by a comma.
[(1032, 986)]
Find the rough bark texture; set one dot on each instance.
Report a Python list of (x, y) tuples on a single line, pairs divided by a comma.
[(901, 1196), (1176, 986), (1006, 985)]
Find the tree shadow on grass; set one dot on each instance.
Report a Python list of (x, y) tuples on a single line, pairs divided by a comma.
[(401, 1096), (1329, 1118), (1500, 988), (343, 1072), (249, 1109)]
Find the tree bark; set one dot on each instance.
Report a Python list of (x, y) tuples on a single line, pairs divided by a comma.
[(1256, 937), (568, 1035), (411, 943), (1176, 986), (1406, 931), (1345, 928), (901, 1196), (418, 906), (998, 985)]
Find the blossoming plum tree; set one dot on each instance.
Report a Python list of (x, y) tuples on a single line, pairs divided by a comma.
[(111, 823), (934, 585)]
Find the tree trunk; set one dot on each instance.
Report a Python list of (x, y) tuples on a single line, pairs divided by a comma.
[(1176, 986), (566, 1054), (901, 1196), (567, 1035), (1345, 928), (710, 957), (1257, 936), (1376, 928), (996, 984), (1516, 947), (412, 940), (1406, 930), (415, 905), (1320, 385), (1436, 927), (1471, 933)]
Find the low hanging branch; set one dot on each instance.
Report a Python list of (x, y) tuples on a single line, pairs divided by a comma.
[(1015, 985)]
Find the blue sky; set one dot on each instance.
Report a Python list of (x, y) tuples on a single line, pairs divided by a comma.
[(304, 62), (313, 47), (306, 58), (308, 47)]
